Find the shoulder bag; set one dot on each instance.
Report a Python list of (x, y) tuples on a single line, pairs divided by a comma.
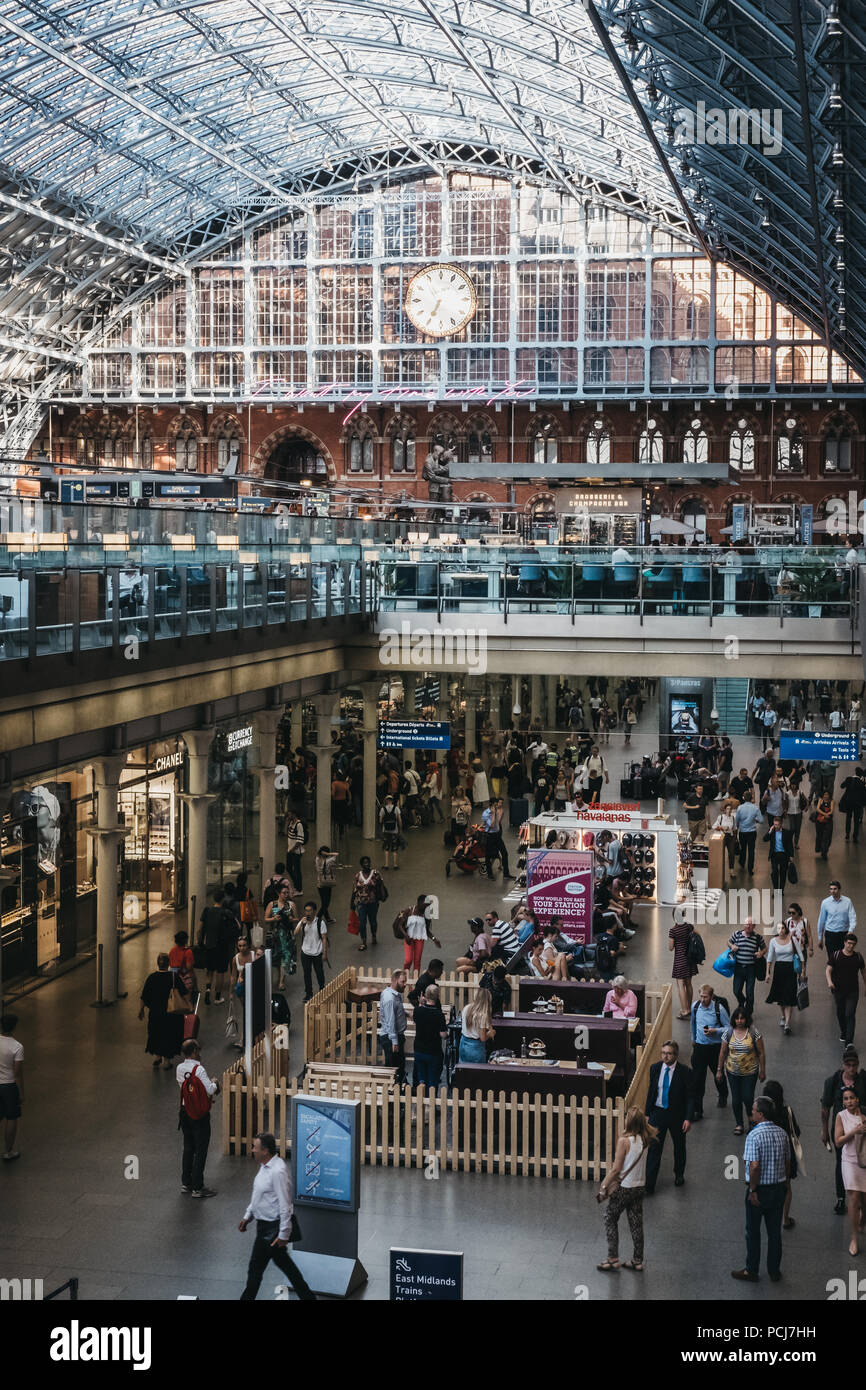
[(614, 1182)]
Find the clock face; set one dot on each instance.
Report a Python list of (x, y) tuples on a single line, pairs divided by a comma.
[(440, 300)]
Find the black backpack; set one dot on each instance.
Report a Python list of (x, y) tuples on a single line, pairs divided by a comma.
[(272, 891), (696, 951), (603, 957)]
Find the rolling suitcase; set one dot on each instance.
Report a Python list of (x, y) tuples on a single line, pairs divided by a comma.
[(518, 811), (192, 1022)]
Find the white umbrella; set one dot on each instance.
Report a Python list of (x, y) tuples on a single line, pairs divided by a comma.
[(668, 527)]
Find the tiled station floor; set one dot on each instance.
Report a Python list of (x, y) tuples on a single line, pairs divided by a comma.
[(93, 1101)]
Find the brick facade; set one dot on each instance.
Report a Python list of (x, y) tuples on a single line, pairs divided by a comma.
[(510, 432)]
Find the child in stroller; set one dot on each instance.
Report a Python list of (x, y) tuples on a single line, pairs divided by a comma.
[(469, 853)]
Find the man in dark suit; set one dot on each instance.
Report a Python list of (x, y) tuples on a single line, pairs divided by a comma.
[(781, 844), (670, 1108)]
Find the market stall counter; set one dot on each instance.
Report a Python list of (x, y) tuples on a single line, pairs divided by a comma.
[(579, 997), (607, 1040), (534, 1079)]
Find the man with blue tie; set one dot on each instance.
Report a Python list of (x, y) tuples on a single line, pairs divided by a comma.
[(781, 844), (670, 1108)]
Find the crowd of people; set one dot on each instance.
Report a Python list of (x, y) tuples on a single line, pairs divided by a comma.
[(467, 794)]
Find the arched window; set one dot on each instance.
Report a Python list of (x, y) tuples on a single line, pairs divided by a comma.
[(741, 448), (480, 446), (186, 452), (360, 453), (696, 448), (837, 449), (598, 444), (228, 450), (598, 366), (790, 449), (145, 452), (694, 514), (651, 445), (83, 447), (544, 445), (403, 451)]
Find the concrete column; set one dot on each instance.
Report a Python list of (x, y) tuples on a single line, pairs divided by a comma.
[(370, 690), (535, 698), (471, 704), (409, 680), (551, 682), (296, 724), (107, 833), (266, 724), (326, 708), (197, 799)]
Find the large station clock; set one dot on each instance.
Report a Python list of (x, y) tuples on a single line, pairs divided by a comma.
[(440, 300)]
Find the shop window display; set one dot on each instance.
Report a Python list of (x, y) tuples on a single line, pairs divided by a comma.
[(47, 894)]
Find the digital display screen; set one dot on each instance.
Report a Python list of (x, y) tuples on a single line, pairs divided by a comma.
[(685, 716), (325, 1153)]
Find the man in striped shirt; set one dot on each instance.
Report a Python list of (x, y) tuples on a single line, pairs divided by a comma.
[(767, 1161), (505, 939), (746, 947)]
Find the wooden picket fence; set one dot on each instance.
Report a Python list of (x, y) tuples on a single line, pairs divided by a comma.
[(337, 1031), (466, 1131)]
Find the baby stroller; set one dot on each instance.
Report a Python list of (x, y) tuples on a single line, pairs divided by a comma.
[(469, 853)]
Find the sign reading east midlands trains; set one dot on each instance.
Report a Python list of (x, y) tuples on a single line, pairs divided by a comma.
[(425, 1276), (413, 733), (829, 748)]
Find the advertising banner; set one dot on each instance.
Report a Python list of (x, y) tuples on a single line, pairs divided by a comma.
[(738, 522), (559, 883)]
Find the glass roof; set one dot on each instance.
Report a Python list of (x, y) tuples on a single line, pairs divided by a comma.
[(136, 135)]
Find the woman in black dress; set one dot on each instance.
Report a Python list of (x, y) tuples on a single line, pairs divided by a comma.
[(164, 1030), (684, 969)]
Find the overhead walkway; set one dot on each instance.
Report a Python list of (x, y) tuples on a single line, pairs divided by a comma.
[(96, 640)]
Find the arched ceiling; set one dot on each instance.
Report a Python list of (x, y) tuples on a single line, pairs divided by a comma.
[(136, 134)]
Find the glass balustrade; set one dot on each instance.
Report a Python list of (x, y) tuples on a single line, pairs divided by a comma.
[(49, 606)]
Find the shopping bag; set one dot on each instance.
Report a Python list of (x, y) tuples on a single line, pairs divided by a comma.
[(802, 994), (354, 924), (725, 964)]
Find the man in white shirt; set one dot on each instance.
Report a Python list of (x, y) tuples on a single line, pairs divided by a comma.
[(11, 1084), (621, 556), (313, 933), (271, 1208), (195, 1129)]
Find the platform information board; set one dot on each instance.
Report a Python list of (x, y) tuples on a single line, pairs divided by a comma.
[(413, 733), (828, 747)]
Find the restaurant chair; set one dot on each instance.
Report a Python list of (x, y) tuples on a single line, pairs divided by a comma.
[(592, 586), (624, 583), (696, 586), (658, 588)]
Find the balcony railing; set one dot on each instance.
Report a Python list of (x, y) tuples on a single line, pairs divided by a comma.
[(777, 587), (76, 610)]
